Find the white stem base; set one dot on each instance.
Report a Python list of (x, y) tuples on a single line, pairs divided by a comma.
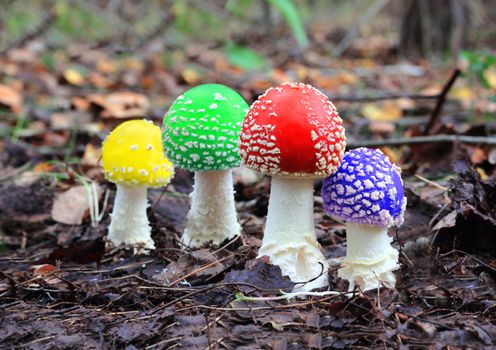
[(289, 236), (370, 259), (129, 224), (212, 217)]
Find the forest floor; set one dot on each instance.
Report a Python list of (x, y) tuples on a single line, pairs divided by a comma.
[(63, 287)]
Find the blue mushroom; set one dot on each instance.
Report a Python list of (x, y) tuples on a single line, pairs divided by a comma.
[(367, 193)]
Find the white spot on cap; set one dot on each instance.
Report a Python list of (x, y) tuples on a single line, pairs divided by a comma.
[(314, 135), (218, 97), (133, 147)]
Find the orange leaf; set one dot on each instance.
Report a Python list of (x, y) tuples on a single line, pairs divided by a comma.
[(10, 98)]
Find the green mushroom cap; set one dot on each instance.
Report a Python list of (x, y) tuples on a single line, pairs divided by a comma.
[(202, 127)]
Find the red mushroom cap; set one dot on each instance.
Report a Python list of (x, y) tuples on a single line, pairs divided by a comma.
[(293, 130)]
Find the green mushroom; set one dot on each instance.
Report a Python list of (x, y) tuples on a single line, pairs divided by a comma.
[(200, 134)]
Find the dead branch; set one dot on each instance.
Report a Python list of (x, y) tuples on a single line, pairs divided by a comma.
[(402, 141), (440, 101)]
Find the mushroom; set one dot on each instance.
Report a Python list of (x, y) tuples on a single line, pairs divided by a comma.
[(293, 133), (200, 133), (133, 158), (367, 193)]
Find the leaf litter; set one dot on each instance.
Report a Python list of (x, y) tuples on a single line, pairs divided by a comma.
[(62, 287)]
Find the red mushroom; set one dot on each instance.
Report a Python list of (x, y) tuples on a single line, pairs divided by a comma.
[(293, 133)]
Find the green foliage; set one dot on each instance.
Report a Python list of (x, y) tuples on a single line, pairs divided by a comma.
[(194, 20), (292, 17), (245, 58), (78, 22), (478, 64), (239, 8)]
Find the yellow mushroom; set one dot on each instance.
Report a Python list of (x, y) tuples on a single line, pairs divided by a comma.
[(133, 158)]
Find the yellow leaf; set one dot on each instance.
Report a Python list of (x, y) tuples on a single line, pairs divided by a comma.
[(190, 76), (387, 111), (482, 173), (490, 75), (462, 93), (73, 77)]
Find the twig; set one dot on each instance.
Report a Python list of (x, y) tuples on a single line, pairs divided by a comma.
[(401, 141), (435, 184), (162, 342), (204, 267), (288, 296), (440, 101), (382, 96)]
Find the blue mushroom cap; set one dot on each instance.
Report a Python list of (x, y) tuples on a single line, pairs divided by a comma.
[(367, 189)]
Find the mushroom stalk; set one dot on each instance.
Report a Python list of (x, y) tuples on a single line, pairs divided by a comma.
[(212, 216), (129, 222), (370, 259), (289, 236)]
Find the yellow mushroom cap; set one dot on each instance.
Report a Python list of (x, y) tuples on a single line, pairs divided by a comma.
[(133, 155)]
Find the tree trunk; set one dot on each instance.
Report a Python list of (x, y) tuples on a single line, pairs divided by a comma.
[(435, 27)]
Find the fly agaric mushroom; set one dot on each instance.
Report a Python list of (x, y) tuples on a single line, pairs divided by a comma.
[(293, 133), (367, 193), (200, 134), (133, 158)]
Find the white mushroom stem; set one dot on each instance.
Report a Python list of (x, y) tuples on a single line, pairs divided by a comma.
[(289, 236), (212, 217), (370, 259), (129, 224)]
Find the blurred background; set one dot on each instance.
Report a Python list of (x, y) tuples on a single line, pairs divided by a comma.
[(71, 70)]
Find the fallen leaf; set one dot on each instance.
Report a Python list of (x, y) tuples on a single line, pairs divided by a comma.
[(381, 127), (190, 76), (125, 104), (447, 221), (73, 77), (490, 75), (386, 111), (91, 155), (44, 269), (261, 274), (462, 93), (81, 252), (10, 98), (70, 207)]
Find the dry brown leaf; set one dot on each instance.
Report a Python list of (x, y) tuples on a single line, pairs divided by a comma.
[(381, 127), (432, 90), (10, 99), (405, 103), (190, 76), (448, 221), (477, 155), (125, 104), (71, 206), (91, 155)]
